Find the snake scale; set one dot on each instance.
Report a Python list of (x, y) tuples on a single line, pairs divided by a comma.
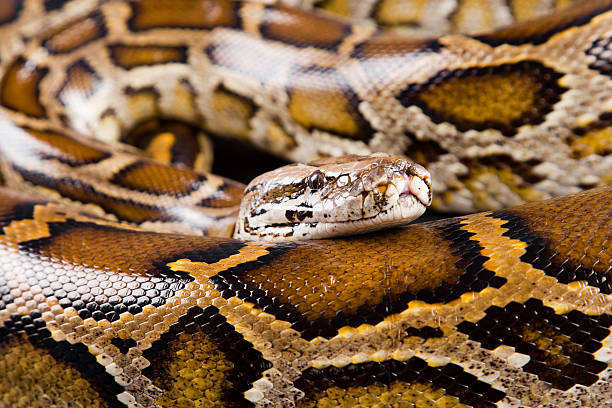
[(509, 308)]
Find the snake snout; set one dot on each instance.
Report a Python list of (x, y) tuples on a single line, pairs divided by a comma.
[(419, 188)]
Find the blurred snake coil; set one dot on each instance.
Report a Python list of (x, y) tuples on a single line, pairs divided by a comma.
[(120, 286)]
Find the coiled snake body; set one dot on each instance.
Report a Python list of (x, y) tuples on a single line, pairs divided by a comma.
[(505, 308)]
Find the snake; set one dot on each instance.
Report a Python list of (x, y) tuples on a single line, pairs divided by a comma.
[(119, 282)]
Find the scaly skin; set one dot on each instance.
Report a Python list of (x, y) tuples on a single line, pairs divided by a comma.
[(509, 308)]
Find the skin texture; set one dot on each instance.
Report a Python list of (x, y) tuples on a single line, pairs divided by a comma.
[(519, 114), (510, 308)]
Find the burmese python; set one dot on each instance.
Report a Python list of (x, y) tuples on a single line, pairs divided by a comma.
[(510, 308)]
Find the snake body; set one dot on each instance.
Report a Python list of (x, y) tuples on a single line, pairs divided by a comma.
[(508, 308)]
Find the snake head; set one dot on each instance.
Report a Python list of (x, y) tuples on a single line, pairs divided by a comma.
[(333, 197)]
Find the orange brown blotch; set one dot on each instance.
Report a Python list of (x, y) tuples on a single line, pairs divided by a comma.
[(315, 31), (391, 13), (159, 179), (67, 149), (131, 56), (20, 88), (76, 35), (322, 99), (502, 97), (194, 14), (9, 9), (74, 244), (597, 140)]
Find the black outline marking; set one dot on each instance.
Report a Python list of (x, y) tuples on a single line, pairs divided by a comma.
[(547, 96), (516, 37), (71, 161), (124, 345), (51, 5), (577, 334), (452, 378), (75, 355), (268, 16), (540, 256), (118, 179), (100, 22), (249, 363), (41, 179), (165, 281), (475, 278), (23, 210), (40, 72), (364, 132), (186, 147), (604, 66)]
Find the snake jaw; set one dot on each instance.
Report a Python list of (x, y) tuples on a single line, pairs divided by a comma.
[(335, 196)]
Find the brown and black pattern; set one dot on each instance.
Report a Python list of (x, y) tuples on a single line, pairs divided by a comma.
[(94, 313), (213, 351), (330, 105), (182, 151), (279, 23), (77, 35), (52, 5), (132, 56), (67, 150), (202, 357), (324, 309), (81, 83), (19, 89), (143, 275), (124, 209), (28, 334), (186, 14), (580, 256), (414, 373), (538, 32), (602, 51), (595, 138), (9, 11), (561, 347), (159, 179), (516, 94)]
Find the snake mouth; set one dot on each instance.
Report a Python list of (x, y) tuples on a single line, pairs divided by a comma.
[(417, 187)]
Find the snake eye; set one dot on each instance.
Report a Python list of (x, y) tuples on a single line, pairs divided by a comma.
[(316, 180)]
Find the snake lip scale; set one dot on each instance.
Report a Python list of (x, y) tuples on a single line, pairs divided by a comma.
[(121, 285)]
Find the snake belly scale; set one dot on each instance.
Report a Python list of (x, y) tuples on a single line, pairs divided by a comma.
[(510, 308)]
